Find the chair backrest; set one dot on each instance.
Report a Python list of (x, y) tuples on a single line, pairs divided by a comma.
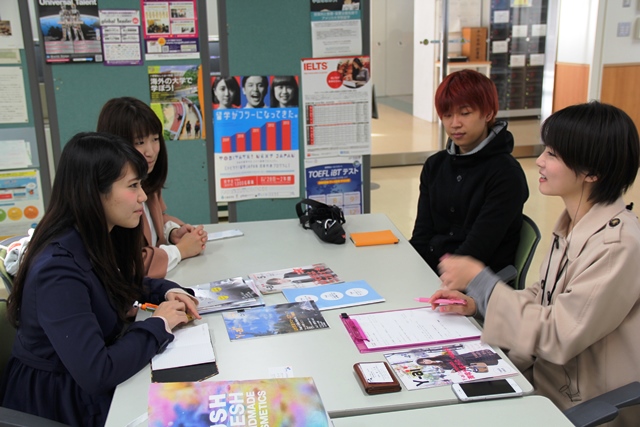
[(7, 335), (529, 239), (6, 277)]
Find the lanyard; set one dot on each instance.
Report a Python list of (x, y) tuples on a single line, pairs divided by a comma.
[(549, 294)]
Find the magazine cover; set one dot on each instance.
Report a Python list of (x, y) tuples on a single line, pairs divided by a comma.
[(271, 282), (226, 294), (337, 295), (291, 402), (273, 320), (448, 364)]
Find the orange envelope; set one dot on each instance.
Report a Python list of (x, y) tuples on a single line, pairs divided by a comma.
[(370, 238)]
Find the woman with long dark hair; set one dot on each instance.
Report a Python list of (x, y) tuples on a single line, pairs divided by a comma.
[(73, 296), (168, 240)]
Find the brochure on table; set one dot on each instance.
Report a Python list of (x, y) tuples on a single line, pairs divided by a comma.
[(227, 294), (427, 367), (273, 320), (292, 402), (270, 282), (337, 295)]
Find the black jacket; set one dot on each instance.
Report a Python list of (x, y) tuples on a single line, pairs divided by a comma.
[(472, 204)]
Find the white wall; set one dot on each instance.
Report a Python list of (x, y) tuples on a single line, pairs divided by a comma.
[(577, 23), (212, 18), (424, 58), (392, 46), (621, 50)]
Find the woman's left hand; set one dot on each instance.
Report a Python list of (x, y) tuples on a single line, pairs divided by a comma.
[(457, 271), (178, 233), (190, 305)]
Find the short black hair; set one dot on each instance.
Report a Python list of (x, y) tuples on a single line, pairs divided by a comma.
[(599, 140)]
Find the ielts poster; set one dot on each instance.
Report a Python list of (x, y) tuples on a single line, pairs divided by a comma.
[(337, 106)]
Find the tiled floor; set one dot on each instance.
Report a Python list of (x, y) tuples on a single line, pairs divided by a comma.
[(396, 192)]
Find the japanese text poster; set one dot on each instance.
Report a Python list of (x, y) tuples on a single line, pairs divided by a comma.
[(255, 128), (21, 205), (336, 28), (170, 29), (70, 30), (121, 37), (336, 181), (175, 99), (337, 106)]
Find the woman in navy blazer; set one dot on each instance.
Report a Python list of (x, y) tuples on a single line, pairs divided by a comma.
[(73, 296)]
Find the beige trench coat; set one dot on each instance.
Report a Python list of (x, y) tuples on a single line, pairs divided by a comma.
[(586, 341)]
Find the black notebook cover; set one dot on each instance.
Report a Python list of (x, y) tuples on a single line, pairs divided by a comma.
[(185, 373)]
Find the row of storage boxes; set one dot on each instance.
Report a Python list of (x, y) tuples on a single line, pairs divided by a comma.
[(520, 103)]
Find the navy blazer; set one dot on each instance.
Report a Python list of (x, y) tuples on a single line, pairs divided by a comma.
[(71, 349)]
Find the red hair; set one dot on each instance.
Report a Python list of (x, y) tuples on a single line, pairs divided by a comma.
[(467, 87)]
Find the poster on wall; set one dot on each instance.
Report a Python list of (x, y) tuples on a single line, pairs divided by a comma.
[(255, 128), (13, 102), (337, 106), (170, 29), (336, 28), (335, 181), (175, 99), (121, 37), (21, 205), (10, 27), (70, 30)]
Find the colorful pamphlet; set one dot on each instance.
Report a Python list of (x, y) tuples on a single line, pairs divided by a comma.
[(427, 367), (337, 295), (292, 402), (273, 320), (228, 294), (270, 282)]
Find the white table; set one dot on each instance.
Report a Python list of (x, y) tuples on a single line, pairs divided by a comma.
[(528, 411), (397, 272)]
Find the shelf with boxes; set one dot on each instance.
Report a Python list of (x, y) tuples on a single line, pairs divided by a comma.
[(517, 44)]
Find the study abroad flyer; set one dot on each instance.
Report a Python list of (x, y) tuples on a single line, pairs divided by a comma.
[(175, 98), (337, 106), (170, 29), (255, 134), (335, 181), (70, 30)]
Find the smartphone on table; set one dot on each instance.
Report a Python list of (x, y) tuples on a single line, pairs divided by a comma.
[(485, 390)]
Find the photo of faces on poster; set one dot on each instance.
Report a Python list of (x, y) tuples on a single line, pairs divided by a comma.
[(254, 92)]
